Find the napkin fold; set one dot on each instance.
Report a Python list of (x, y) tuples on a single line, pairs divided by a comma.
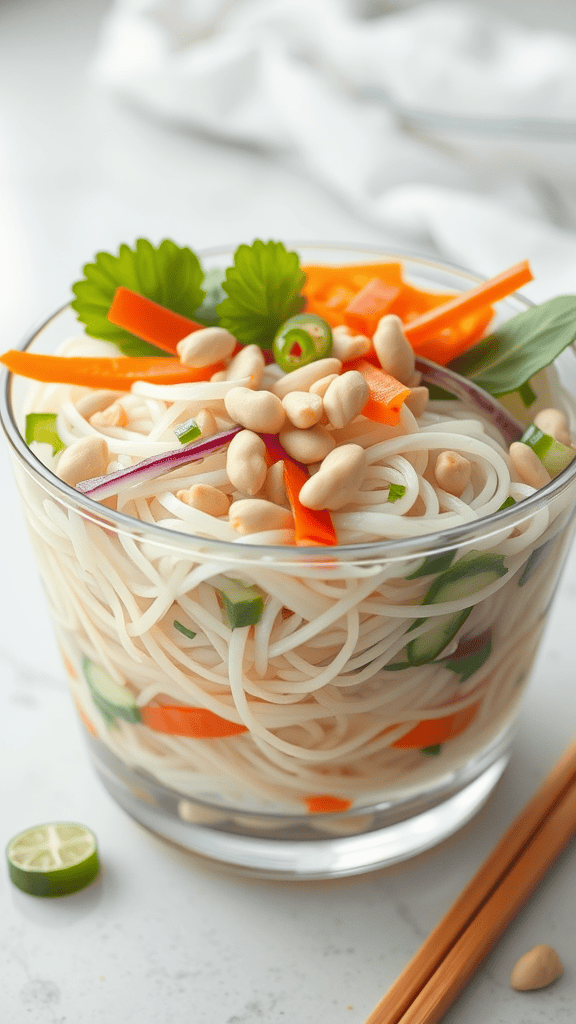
[(446, 121)]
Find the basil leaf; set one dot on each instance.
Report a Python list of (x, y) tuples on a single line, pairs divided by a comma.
[(516, 351)]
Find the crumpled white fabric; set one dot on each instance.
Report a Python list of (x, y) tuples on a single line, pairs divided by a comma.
[(446, 121)]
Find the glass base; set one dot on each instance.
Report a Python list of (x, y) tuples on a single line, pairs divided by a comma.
[(324, 846)]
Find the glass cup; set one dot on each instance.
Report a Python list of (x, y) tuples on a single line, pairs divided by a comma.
[(328, 739)]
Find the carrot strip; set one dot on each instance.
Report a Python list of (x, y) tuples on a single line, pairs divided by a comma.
[(469, 302), (85, 720), (329, 289), (433, 731), (369, 305), (150, 321), (101, 372), (386, 393), (197, 723), (311, 528), (324, 803)]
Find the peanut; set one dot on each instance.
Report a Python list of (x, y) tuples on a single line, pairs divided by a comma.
[(83, 459), (246, 462), (346, 345), (303, 378), (320, 387), (539, 967), (248, 362), (394, 351), (337, 481), (113, 416), (527, 465), (95, 401), (274, 487), (252, 515), (307, 446), (260, 411), (208, 345), (207, 423), (303, 408), (417, 400), (452, 472), (555, 423), (206, 499), (345, 398)]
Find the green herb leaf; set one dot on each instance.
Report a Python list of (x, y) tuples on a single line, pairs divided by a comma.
[(212, 285), (263, 289), (516, 351), (396, 491), (169, 275)]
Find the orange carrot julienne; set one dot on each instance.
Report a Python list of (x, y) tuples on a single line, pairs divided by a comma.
[(386, 393), (85, 720), (196, 723), (434, 731), (311, 528), (469, 302), (369, 305), (102, 372), (149, 320), (324, 803)]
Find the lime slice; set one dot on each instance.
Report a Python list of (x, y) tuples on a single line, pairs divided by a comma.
[(53, 859)]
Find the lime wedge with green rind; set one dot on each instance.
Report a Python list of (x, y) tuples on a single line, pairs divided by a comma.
[(54, 859)]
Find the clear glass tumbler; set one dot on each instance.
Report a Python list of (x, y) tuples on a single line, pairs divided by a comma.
[(310, 757)]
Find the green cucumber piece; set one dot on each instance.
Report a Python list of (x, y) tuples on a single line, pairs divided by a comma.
[(470, 655), (553, 455), (112, 700), (41, 426), (242, 602), (187, 431), (470, 574), (433, 564), (534, 560)]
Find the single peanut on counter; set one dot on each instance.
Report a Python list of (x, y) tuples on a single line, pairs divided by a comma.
[(394, 351), (338, 480), (246, 462), (346, 345), (208, 345), (528, 466), (274, 487), (83, 459), (452, 472), (303, 378), (113, 416), (260, 411), (307, 446), (345, 398), (539, 967), (248, 362), (251, 515), (205, 498), (417, 400), (555, 423), (303, 408)]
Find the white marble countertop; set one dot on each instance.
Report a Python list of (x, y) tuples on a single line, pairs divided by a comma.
[(163, 936)]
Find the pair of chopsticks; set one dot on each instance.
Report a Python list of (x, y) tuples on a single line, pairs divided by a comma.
[(455, 949)]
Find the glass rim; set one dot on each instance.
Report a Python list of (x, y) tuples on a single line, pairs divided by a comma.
[(286, 554)]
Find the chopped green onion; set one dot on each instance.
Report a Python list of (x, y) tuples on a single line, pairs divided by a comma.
[(243, 602), (183, 629), (41, 426), (507, 503), (432, 751), (553, 455), (396, 491), (187, 431)]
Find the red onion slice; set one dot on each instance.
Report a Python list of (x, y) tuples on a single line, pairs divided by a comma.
[(510, 428), (149, 469)]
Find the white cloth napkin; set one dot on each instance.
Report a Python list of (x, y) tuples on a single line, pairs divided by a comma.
[(446, 122)]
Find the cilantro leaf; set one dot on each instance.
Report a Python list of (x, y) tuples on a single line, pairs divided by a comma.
[(263, 289), (168, 274)]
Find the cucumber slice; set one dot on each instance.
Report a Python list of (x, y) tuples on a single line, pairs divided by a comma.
[(433, 564), (534, 561), (54, 859), (41, 426), (112, 700), (553, 455), (470, 655), (243, 602), (470, 574)]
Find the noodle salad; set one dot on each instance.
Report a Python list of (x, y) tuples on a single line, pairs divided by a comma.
[(260, 631)]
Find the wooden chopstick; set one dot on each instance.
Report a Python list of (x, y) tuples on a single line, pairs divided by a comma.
[(456, 947)]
